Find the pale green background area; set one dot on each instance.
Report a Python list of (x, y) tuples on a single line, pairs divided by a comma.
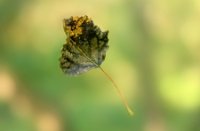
[(154, 57)]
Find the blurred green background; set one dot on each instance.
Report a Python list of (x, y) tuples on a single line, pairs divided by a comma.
[(154, 57)]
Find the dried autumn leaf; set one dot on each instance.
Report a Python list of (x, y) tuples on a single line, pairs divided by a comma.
[(85, 48)]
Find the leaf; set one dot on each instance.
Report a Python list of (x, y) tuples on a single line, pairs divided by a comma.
[(85, 49)]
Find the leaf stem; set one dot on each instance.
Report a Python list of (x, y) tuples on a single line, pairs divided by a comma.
[(119, 92)]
